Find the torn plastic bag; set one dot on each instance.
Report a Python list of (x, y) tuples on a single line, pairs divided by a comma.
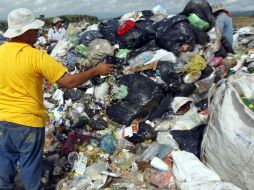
[(190, 140), (138, 36), (172, 33), (88, 36), (108, 29), (145, 132), (202, 9), (143, 97)]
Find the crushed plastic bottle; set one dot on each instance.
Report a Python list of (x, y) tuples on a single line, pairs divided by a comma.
[(141, 59)]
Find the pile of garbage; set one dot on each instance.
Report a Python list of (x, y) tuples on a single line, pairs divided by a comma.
[(141, 127)]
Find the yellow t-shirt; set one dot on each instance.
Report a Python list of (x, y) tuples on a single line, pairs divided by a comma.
[(22, 70)]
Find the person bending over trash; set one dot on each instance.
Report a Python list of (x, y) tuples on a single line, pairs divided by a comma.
[(224, 23), (22, 113)]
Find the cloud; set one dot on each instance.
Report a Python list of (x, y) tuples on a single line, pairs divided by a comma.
[(104, 8)]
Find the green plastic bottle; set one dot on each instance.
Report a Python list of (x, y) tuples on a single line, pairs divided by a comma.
[(249, 103)]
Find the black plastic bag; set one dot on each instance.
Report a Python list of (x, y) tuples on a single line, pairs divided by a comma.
[(202, 9), (143, 97), (138, 36), (168, 73), (89, 36), (98, 124), (172, 33), (163, 107), (108, 29), (74, 95), (145, 132), (186, 90), (190, 140), (147, 14)]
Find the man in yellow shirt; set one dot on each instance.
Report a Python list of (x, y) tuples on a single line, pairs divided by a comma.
[(22, 113)]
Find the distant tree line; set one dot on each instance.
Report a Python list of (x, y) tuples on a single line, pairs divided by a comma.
[(66, 18)]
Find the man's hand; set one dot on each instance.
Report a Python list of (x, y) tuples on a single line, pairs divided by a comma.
[(104, 69)]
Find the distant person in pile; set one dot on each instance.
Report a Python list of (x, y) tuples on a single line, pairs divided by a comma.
[(22, 113), (224, 22), (57, 32)]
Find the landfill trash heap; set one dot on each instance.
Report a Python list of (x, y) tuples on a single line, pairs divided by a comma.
[(142, 126)]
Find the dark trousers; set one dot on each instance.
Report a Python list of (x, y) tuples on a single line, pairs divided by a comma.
[(21, 144)]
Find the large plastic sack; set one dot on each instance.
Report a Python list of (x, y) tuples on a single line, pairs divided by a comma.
[(172, 33), (202, 9), (143, 97), (88, 36), (227, 145), (108, 29), (191, 174), (99, 49)]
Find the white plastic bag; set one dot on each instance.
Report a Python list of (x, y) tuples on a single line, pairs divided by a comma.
[(191, 174), (228, 144)]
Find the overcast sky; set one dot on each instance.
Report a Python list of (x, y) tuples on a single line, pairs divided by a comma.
[(106, 8)]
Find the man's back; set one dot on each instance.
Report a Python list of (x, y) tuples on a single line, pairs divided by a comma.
[(21, 76)]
